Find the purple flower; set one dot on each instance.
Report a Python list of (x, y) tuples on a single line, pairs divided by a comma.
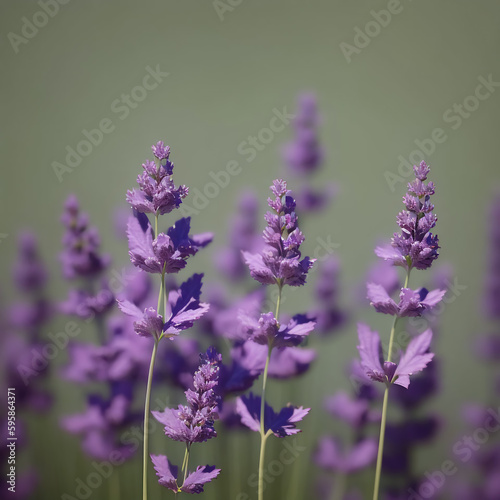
[(492, 282), (195, 423), (304, 154), (268, 331), (81, 255), (100, 424), (326, 312), (330, 455), (158, 193), (84, 305), (29, 273), (356, 412), (411, 302), (280, 424), (280, 260), (167, 253), (415, 246), (185, 309), (194, 482), (243, 236), (414, 359)]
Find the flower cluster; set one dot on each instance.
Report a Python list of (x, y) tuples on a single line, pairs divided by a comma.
[(304, 156), (414, 246), (157, 194), (192, 424), (280, 260), (81, 257)]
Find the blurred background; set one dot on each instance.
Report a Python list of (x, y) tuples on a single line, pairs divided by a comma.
[(395, 83)]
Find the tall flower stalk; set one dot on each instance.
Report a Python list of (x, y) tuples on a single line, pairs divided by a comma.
[(161, 253), (414, 247), (279, 263)]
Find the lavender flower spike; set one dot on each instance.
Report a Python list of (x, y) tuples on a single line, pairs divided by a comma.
[(280, 260), (415, 246), (192, 424)]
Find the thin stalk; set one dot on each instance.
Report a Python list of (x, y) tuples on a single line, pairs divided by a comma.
[(146, 424), (188, 450), (263, 434), (378, 470), (380, 453), (339, 486)]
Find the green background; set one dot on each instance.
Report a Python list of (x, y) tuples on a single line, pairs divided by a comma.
[(225, 78)]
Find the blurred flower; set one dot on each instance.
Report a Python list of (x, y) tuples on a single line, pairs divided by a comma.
[(281, 424)]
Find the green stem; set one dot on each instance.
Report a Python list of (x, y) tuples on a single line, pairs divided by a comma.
[(381, 445), (186, 461), (146, 424), (378, 469), (263, 434), (339, 487)]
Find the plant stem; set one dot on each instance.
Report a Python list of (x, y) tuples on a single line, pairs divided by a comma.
[(339, 486), (380, 453), (146, 424), (378, 470), (263, 434), (186, 461)]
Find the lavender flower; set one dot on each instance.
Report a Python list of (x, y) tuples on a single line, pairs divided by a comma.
[(243, 236), (163, 254), (29, 273), (414, 359), (304, 156), (492, 282), (184, 308), (192, 424), (167, 253), (157, 194), (280, 261), (415, 246), (280, 424), (81, 257), (411, 302)]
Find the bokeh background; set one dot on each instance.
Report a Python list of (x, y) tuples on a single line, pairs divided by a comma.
[(228, 68)]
